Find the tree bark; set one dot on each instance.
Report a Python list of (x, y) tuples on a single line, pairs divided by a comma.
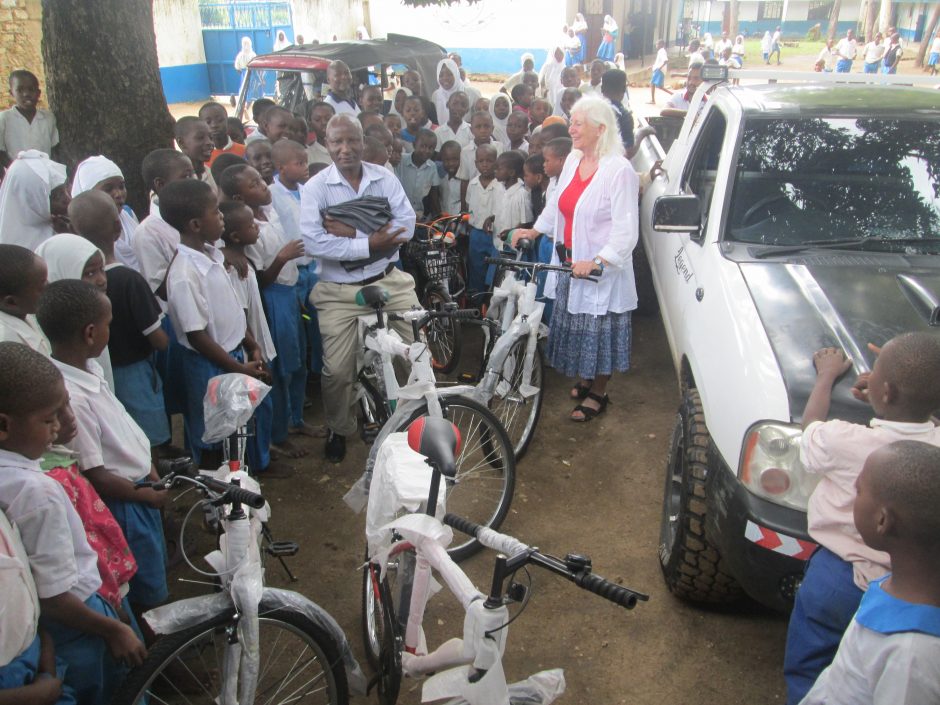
[(834, 18), (103, 83), (871, 16), (928, 35), (884, 17), (733, 19)]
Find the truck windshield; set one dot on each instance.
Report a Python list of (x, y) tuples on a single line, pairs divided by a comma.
[(820, 180)]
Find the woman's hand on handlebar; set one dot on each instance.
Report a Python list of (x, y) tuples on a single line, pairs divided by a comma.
[(583, 269), (523, 233)]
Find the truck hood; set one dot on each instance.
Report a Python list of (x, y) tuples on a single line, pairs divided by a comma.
[(842, 300)]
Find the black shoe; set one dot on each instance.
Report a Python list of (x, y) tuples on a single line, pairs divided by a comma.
[(335, 448)]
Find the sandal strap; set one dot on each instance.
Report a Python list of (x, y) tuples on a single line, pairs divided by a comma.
[(602, 400)]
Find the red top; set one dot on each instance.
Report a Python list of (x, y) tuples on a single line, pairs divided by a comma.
[(569, 199)]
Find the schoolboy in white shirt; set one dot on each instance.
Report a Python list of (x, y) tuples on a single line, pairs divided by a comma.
[(481, 204), (22, 280), (481, 125), (450, 185), (513, 205), (418, 174), (24, 126)]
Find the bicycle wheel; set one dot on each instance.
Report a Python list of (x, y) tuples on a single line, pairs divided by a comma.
[(519, 414), (385, 605), (374, 403), (486, 468), (442, 334), (300, 663)]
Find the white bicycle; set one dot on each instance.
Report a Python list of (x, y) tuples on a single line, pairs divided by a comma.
[(468, 669), (247, 643)]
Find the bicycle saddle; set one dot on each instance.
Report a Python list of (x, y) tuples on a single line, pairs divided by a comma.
[(438, 440), (372, 296)]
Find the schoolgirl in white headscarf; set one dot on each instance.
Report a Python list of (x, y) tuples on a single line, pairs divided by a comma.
[(393, 108), (281, 41), (499, 123), (245, 55), (516, 78), (25, 208), (91, 174), (70, 256), (550, 75), (606, 50), (443, 92)]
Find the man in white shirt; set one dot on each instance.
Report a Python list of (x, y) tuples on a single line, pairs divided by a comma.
[(340, 93), (846, 51), (369, 258), (874, 53), (679, 103), (24, 126)]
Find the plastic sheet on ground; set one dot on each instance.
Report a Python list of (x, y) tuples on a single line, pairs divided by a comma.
[(540, 688)]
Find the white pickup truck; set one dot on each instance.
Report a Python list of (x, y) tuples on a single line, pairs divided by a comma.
[(786, 218)]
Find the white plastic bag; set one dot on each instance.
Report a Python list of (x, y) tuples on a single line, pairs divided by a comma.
[(229, 402)]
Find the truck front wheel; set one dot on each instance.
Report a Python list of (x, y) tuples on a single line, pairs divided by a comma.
[(691, 565)]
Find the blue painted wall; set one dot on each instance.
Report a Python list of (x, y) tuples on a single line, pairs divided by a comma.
[(791, 29), (185, 84), (497, 60)]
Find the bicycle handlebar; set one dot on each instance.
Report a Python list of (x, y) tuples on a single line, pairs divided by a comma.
[(577, 569), (227, 492), (520, 264)]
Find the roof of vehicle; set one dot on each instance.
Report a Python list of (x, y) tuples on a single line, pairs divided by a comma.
[(828, 99), (358, 54)]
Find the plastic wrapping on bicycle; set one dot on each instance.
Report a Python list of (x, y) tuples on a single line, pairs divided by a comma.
[(575, 568)]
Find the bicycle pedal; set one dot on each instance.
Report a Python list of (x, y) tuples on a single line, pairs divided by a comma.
[(279, 549), (370, 432), (467, 378)]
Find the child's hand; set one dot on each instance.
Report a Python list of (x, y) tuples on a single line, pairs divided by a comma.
[(831, 363), (292, 250), (488, 224), (338, 228), (152, 497), (46, 689), (255, 368), (124, 644), (860, 388)]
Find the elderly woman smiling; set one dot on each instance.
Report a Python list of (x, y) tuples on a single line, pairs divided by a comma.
[(592, 215)]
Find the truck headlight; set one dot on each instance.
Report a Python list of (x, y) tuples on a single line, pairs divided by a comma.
[(770, 465)]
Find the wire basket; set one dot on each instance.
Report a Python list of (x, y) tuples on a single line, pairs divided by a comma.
[(435, 261)]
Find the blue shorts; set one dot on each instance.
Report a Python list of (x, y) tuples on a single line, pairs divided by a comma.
[(143, 529), (140, 390), (22, 671), (934, 58), (196, 373), (889, 70), (843, 65), (872, 67), (170, 367), (658, 79), (481, 246), (92, 674)]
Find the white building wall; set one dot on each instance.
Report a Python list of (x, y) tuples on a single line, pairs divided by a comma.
[(179, 33), (321, 19)]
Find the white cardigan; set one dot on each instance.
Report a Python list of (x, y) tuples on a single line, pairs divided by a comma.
[(606, 224)]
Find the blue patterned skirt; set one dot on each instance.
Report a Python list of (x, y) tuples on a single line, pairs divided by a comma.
[(583, 345)]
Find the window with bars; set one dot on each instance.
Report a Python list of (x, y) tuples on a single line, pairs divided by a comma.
[(770, 10), (819, 9)]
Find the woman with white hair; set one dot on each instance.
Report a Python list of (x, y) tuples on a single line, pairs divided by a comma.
[(592, 216)]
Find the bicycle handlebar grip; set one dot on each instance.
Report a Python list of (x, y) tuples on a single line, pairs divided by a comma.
[(466, 313), (252, 499), (462, 524), (609, 591)]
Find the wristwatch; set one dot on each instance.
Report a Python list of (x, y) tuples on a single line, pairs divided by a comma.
[(599, 262)]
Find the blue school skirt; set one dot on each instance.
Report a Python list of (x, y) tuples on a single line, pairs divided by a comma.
[(169, 364), (658, 79), (23, 669), (143, 529), (140, 390), (92, 673), (282, 310)]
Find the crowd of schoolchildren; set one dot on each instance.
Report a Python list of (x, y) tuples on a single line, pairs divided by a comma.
[(110, 326)]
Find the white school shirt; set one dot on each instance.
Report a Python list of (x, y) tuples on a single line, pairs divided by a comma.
[(107, 435), (463, 136), (271, 239), (17, 330), (417, 181), (874, 52), (318, 154), (662, 58), (155, 242), (847, 49), (935, 46), (124, 245), (481, 200), (836, 450), (287, 205), (828, 57), (342, 107), (330, 188), (513, 208), (18, 134), (450, 195), (52, 533), (19, 610), (587, 88), (468, 158), (249, 298), (201, 297), (606, 224)]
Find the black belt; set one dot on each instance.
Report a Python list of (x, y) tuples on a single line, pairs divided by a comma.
[(373, 280)]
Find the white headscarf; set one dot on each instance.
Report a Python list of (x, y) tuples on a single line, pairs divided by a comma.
[(499, 125), (281, 43), (580, 24), (401, 89), (245, 55), (610, 24), (25, 217), (440, 96), (550, 75), (89, 174), (66, 256)]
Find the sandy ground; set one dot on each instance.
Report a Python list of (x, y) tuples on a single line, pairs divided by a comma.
[(594, 489)]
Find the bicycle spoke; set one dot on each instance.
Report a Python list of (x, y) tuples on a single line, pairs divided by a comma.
[(294, 672)]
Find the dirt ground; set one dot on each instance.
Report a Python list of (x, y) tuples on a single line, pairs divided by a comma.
[(593, 489)]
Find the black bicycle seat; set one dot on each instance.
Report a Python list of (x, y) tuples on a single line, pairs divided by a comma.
[(372, 296), (438, 440)]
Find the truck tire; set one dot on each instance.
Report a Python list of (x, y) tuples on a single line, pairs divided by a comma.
[(691, 565)]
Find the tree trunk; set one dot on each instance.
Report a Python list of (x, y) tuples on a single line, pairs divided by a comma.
[(884, 17), (871, 16), (834, 18), (929, 29), (104, 85), (733, 19)]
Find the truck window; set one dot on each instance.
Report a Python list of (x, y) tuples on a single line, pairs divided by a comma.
[(700, 174), (819, 179)]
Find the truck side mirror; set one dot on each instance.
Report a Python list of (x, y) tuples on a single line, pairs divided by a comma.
[(681, 214)]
